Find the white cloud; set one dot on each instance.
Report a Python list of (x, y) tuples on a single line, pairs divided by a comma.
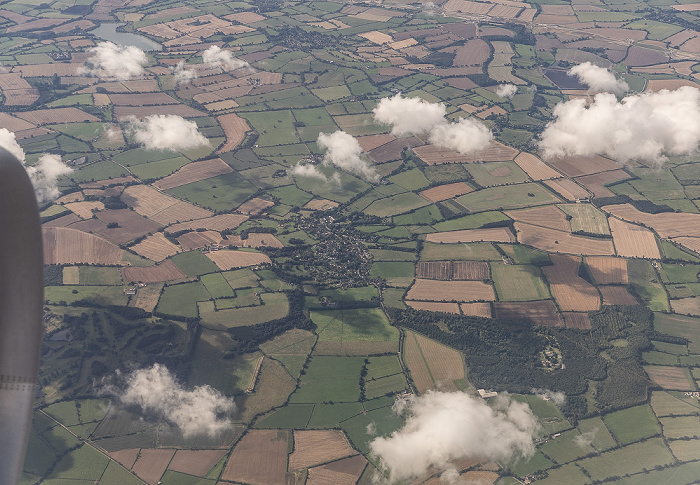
[(414, 116), (344, 151), (643, 127), (465, 136), (215, 56), (44, 174), (506, 90), (409, 116), (202, 410), (181, 74), (110, 60), (312, 171), (557, 397), (9, 143), (166, 132), (598, 79), (442, 427)]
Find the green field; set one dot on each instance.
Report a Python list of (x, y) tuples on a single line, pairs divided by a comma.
[(357, 325), (474, 221), (518, 282), (632, 424), (507, 197), (194, 263), (100, 295), (411, 179), (644, 280), (459, 252), (181, 300), (291, 416), (680, 326), (491, 174), (586, 218), (274, 306), (329, 379), (397, 204), (525, 255), (330, 415), (96, 275), (217, 193), (570, 446), (217, 286), (396, 273), (630, 459)]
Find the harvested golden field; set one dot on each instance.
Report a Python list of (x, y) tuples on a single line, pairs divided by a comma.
[(692, 243), (63, 245), (607, 270), (578, 320), (151, 464), (633, 241), (559, 241), (71, 275), (656, 85), (320, 205), (13, 123), (447, 191), (72, 197), (370, 142), (129, 225), (575, 166), (476, 309), (215, 223), (546, 216), (473, 53), (459, 291), (568, 189), (125, 457), (494, 234), (376, 37), (435, 270), (434, 306), (445, 363), (673, 378), (101, 184), (86, 208), (255, 205), (166, 271), (342, 472), (245, 17), (542, 312), (572, 292), (666, 224), (160, 207), (413, 357), (195, 462), (256, 240), (155, 247), (199, 239), (56, 115), (596, 183), (62, 221), (194, 172), (234, 128), (147, 297), (687, 306), (616, 295), (260, 458), (312, 448), (226, 260), (495, 152)]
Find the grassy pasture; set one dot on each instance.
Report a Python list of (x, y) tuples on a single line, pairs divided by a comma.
[(357, 325), (385, 386), (182, 299), (643, 278), (595, 429), (410, 179), (96, 275), (101, 295), (392, 255), (673, 404), (491, 174), (632, 424), (473, 221), (194, 263), (459, 252), (291, 416), (274, 306), (385, 422), (291, 195), (627, 460), (160, 168), (681, 427), (217, 285), (680, 326), (518, 282), (570, 446), (223, 192), (85, 463), (397, 204), (507, 197), (330, 415), (330, 379), (525, 255), (586, 218)]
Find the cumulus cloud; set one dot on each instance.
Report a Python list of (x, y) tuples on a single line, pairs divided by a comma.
[(110, 60), (557, 397), (643, 127), (215, 56), (166, 132), (181, 74), (9, 143), (464, 136), (506, 90), (598, 79), (44, 174), (202, 410), (442, 427), (312, 171), (409, 116), (345, 152), (415, 116)]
